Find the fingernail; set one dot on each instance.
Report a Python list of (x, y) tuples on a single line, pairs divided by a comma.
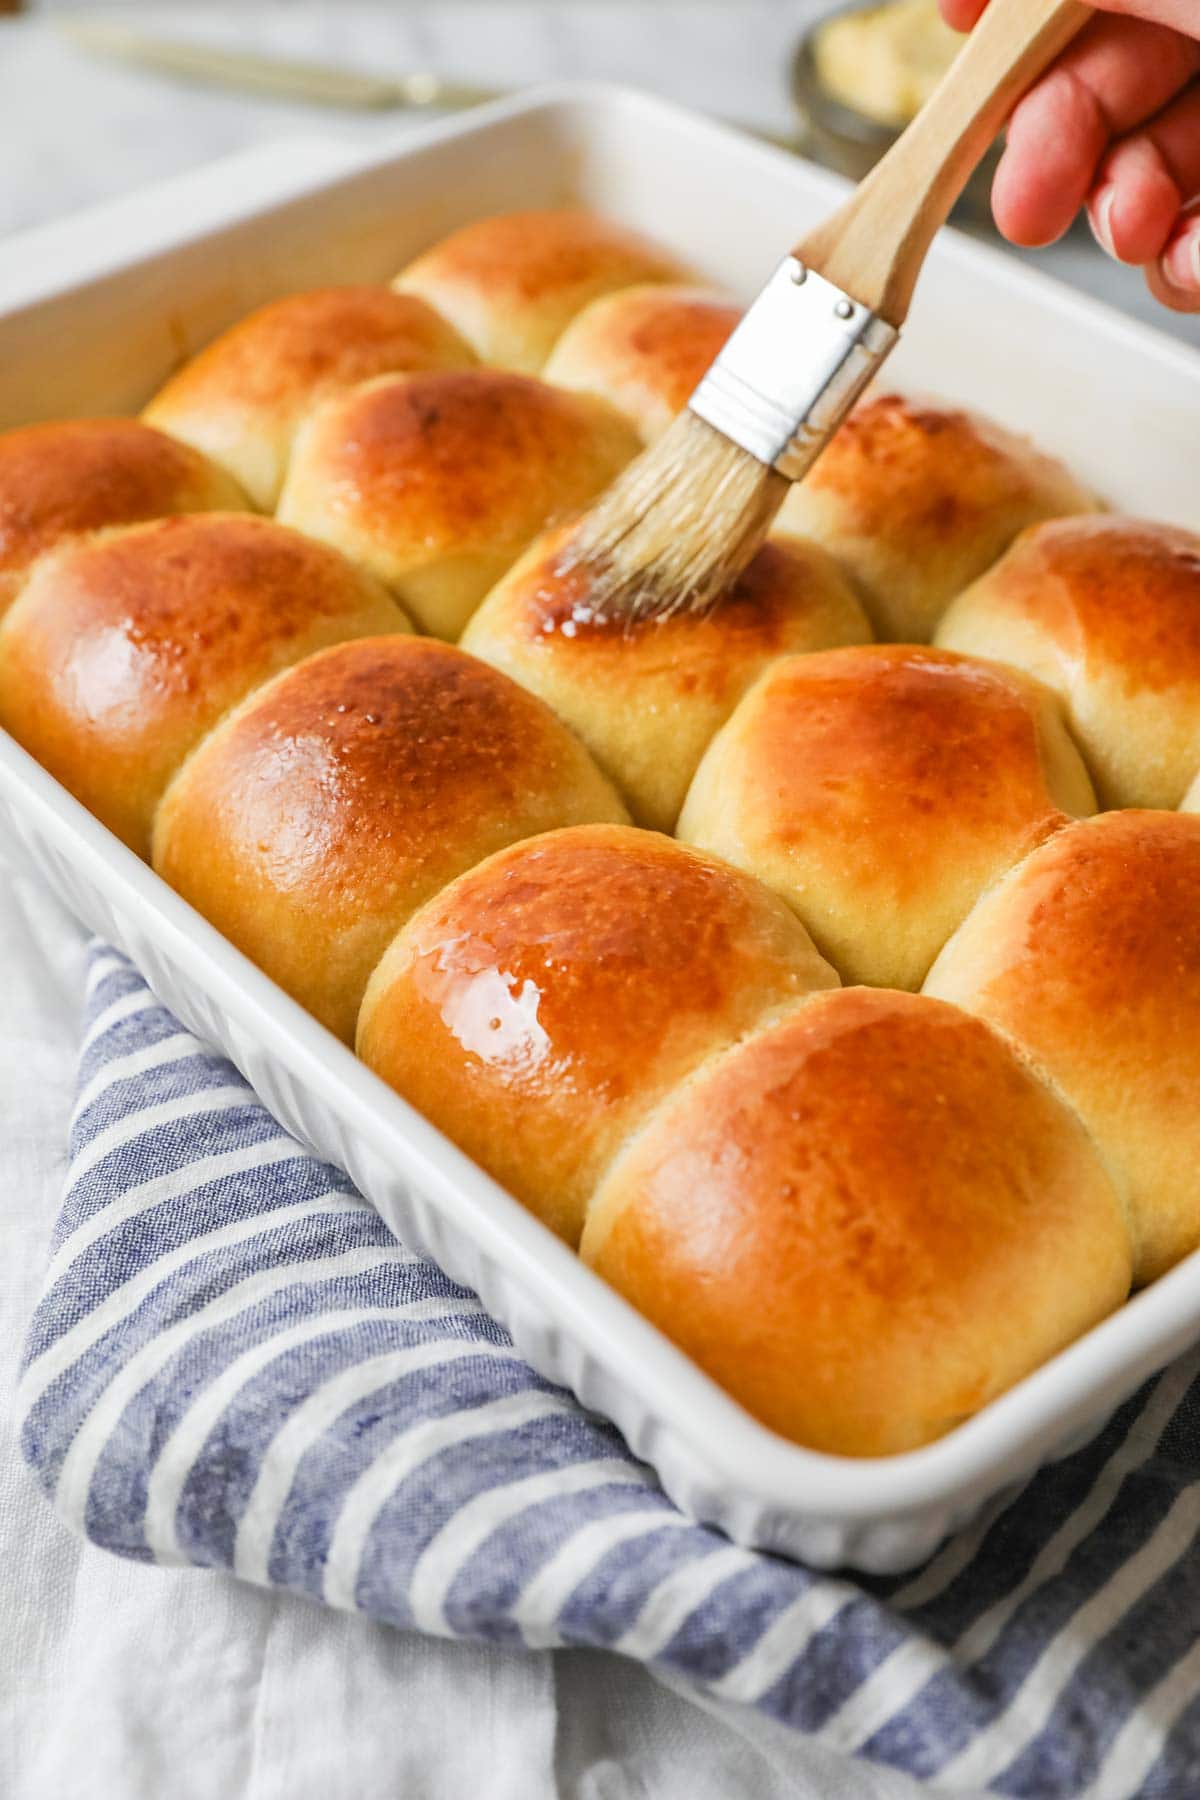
[(1100, 215), (1181, 263)]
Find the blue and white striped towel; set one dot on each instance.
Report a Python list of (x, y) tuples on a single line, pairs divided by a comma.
[(235, 1364)]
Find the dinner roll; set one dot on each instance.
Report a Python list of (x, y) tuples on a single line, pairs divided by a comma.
[(511, 283), (644, 348), (1106, 611), (437, 482), (1088, 956), (538, 1007), (320, 814), (242, 399), (865, 1222), (646, 696), (76, 475), (879, 790), (916, 499), (126, 647)]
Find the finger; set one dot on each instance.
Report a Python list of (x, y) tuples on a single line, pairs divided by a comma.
[(1119, 73), (1179, 14), (1175, 277), (1146, 180), (962, 14)]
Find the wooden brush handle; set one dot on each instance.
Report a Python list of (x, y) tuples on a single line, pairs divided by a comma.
[(874, 245)]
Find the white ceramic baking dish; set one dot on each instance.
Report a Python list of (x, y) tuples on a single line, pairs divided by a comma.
[(93, 314)]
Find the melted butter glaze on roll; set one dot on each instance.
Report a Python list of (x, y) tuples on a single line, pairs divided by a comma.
[(647, 697), (644, 349), (242, 399), (865, 1222), (538, 1007), (880, 790), (1088, 957), (318, 816), (125, 648), (917, 499), (1106, 611), (436, 483), (79, 475), (512, 283)]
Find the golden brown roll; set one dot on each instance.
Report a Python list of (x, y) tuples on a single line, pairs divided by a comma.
[(644, 349), (865, 1222), (916, 499), (511, 283), (124, 648), (538, 1007), (437, 482), (647, 697), (79, 475), (320, 814), (242, 399), (1106, 611), (880, 790), (1088, 957)]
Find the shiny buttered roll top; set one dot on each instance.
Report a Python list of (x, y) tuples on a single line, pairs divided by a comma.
[(647, 697), (916, 499), (879, 790), (66, 478), (865, 1222), (1106, 611), (1087, 956), (437, 482), (123, 649), (512, 283), (644, 349), (320, 814), (243, 399), (537, 1008)]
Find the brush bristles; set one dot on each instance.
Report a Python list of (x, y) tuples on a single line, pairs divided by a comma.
[(677, 528)]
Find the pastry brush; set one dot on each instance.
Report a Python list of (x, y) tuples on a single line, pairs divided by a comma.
[(681, 523)]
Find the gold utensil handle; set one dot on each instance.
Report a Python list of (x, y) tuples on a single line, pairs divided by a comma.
[(874, 245)]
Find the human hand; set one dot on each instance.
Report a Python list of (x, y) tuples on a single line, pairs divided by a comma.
[(1113, 125)]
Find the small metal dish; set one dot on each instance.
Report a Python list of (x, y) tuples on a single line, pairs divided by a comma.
[(851, 142)]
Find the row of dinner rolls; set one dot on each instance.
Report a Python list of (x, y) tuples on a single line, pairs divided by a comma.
[(1099, 609), (914, 499), (862, 1212), (877, 789), (858, 1209), (363, 414), (853, 1206)]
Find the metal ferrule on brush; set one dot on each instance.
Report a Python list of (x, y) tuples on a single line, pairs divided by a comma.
[(792, 369)]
